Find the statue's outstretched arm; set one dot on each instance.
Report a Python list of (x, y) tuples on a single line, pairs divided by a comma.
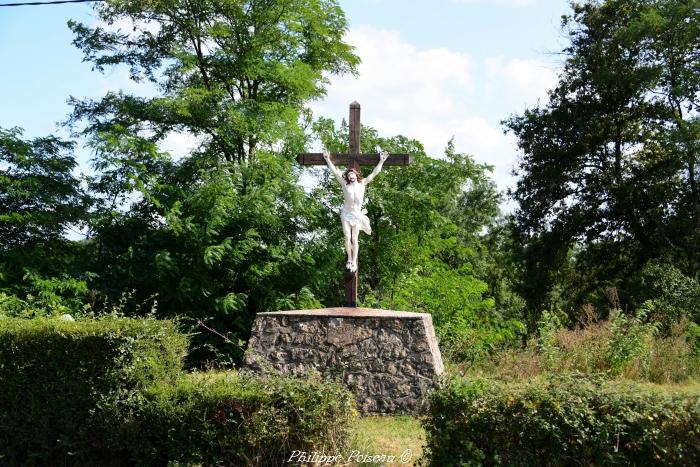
[(382, 157), (334, 170)]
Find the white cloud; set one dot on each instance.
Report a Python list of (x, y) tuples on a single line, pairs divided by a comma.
[(400, 79), (472, 135), (527, 79), (421, 94), (180, 144), (500, 2)]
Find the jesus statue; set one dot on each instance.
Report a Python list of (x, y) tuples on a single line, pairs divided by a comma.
[(351, 215)]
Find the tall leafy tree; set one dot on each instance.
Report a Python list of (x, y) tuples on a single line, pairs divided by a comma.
[(40, 200), (238, 74), (39, 195), (216, 236), (608, 165), (670, 32)]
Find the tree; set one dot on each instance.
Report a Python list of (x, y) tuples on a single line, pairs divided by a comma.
[(39, 196), (608, 168), (237, 74), (216, 236), (40, 200), (670, 31)]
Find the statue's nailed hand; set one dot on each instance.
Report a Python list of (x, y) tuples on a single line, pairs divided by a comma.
[(326, 155), (382, 153)]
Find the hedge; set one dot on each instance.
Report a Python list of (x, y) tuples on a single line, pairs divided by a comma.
[(111, 392), (240, 420), (562, 420), (56, 375)]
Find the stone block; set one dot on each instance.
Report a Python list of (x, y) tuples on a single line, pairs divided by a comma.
[(389, 359)]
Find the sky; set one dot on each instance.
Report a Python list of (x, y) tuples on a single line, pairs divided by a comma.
[(431, 70)]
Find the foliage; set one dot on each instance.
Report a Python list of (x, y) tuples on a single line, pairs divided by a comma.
[(670, 295), (465, 322), (496, 263), (57, 375), (39, 196), (548, 326), (46, 297), (112, 392), (235, 248), (235, 74), (238, 420), (556, 420), (216, 243), (40, 200), (220, 234), (675, 357), (608, 174), (630, 339), (621, 347), (228, 231), (228, 247)]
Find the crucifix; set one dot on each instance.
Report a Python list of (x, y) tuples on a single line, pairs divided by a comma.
[(353, 190)]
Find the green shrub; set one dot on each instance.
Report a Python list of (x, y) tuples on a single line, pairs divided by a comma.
[(693, 333), (41, 296), (112, 392), (622, 346), (547, 326), (465, 321), (562, 421), (670, 294), (674, 357), (631, 339), (57, 376), (232, 420)]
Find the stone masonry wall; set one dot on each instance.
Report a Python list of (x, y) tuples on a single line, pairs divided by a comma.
[(389, 359)]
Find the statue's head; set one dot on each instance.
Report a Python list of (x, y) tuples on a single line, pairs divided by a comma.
[(352, 175)]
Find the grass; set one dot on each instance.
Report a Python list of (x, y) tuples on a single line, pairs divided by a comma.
[(670, 356), (690, 388), (389, 436)]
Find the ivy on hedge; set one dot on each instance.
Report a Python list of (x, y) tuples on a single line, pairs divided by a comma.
[(562, 420)]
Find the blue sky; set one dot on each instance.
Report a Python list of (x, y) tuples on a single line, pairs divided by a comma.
[(431, 70)]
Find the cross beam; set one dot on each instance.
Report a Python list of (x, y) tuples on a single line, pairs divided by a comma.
[(316, 158), (353, 159)]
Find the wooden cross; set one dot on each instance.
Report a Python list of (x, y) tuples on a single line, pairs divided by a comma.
[(353, 159)]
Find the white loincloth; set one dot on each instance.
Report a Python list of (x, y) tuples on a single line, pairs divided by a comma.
[(356, 219)]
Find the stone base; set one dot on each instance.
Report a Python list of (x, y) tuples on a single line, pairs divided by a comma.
[(389, 359)]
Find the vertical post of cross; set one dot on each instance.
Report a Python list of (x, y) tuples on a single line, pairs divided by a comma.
[(354, 135), (354, 162)]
